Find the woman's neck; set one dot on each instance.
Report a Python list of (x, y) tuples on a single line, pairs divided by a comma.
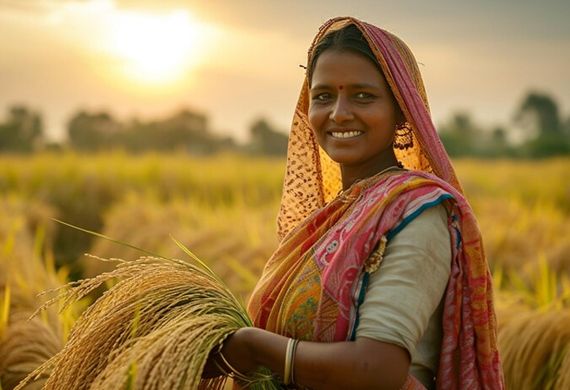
[(353, 173)]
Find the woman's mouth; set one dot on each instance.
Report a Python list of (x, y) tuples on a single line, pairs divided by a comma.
[(345, 134)]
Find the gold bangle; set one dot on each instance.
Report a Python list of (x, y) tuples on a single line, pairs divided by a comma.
[(287, 369), (295, 345), (233, 372), (221, 369)]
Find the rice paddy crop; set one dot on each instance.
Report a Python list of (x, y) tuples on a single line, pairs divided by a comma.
[(224, 210), (26, 270), (154, 329), (533, 346)]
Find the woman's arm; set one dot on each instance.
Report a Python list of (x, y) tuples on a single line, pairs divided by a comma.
[(414, 274), (361, 364)]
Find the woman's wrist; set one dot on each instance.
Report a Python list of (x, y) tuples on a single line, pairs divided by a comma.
[(238, 349)]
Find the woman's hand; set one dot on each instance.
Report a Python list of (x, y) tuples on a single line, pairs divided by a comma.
[(360, 364), (237, 353)]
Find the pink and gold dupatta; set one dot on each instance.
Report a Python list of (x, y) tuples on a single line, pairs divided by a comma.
[(313, 284)]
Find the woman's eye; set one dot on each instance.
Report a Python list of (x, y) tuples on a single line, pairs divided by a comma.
[(364, 95), (322, 97)]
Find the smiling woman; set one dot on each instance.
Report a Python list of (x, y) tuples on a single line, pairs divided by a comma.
[(353, 113), (154, 48)]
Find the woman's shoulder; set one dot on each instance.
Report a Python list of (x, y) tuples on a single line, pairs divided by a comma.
[(408, 186), (406, 176), (427, 177)]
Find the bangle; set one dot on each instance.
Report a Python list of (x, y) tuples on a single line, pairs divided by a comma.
[(221, 369), (295, 345), (233, 372), (288, 371)]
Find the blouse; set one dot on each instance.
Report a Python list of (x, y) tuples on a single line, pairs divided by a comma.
[(403, 302)]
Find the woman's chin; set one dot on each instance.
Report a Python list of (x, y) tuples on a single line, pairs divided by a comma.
[(343, 159)]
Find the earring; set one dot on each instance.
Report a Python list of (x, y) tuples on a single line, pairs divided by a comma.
[(403, 139)]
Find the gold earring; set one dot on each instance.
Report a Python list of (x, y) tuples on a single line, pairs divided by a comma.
[(403, 138)]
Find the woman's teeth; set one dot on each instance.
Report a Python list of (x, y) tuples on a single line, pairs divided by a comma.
[(345, 134)]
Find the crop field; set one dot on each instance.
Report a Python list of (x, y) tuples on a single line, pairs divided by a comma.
[(223, 208)]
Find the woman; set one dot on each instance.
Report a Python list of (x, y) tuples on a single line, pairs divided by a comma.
[(380, 280)]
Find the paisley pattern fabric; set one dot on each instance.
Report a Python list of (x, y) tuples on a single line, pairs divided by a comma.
[(312, 286)]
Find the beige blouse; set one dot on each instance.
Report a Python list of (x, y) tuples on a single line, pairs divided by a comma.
[(403, 301)]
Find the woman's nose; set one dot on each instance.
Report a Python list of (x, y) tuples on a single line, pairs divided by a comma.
[(341, 111)]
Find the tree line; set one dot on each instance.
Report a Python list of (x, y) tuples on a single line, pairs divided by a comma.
[(184, 130), (542, 131)]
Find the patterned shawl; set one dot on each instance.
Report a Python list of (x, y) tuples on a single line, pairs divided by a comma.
[(312, 286)]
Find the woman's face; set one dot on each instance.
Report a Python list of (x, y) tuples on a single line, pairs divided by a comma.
[(352, 110)]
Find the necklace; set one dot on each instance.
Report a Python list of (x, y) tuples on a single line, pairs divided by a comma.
[(391, 167), (365, 182)]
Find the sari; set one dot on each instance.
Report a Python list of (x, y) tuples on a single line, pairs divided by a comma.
[(312, 286)]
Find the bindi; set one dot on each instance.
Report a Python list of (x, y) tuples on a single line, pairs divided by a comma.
[(341, 87)]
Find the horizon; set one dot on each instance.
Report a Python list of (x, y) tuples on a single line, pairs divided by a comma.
[(236, 63)]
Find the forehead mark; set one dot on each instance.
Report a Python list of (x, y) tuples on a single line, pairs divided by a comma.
[(341, 87)]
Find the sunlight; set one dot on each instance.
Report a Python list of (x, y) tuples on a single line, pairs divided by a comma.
[(156, 48)]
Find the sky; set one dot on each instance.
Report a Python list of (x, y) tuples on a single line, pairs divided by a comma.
[(237, 61)]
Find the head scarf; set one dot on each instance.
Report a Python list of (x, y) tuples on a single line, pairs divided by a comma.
[(469, 355), (312, 179)]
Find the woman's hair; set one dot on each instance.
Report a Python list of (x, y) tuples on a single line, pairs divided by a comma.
[(347, 38)]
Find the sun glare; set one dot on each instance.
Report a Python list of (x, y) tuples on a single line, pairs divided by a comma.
[(156, 48)]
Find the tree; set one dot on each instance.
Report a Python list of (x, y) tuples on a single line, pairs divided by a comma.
[(464, 137), (538, 113), (184, 130), (460, 135), (22, 131), (92, 132), (266, 140), (539, 116)]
